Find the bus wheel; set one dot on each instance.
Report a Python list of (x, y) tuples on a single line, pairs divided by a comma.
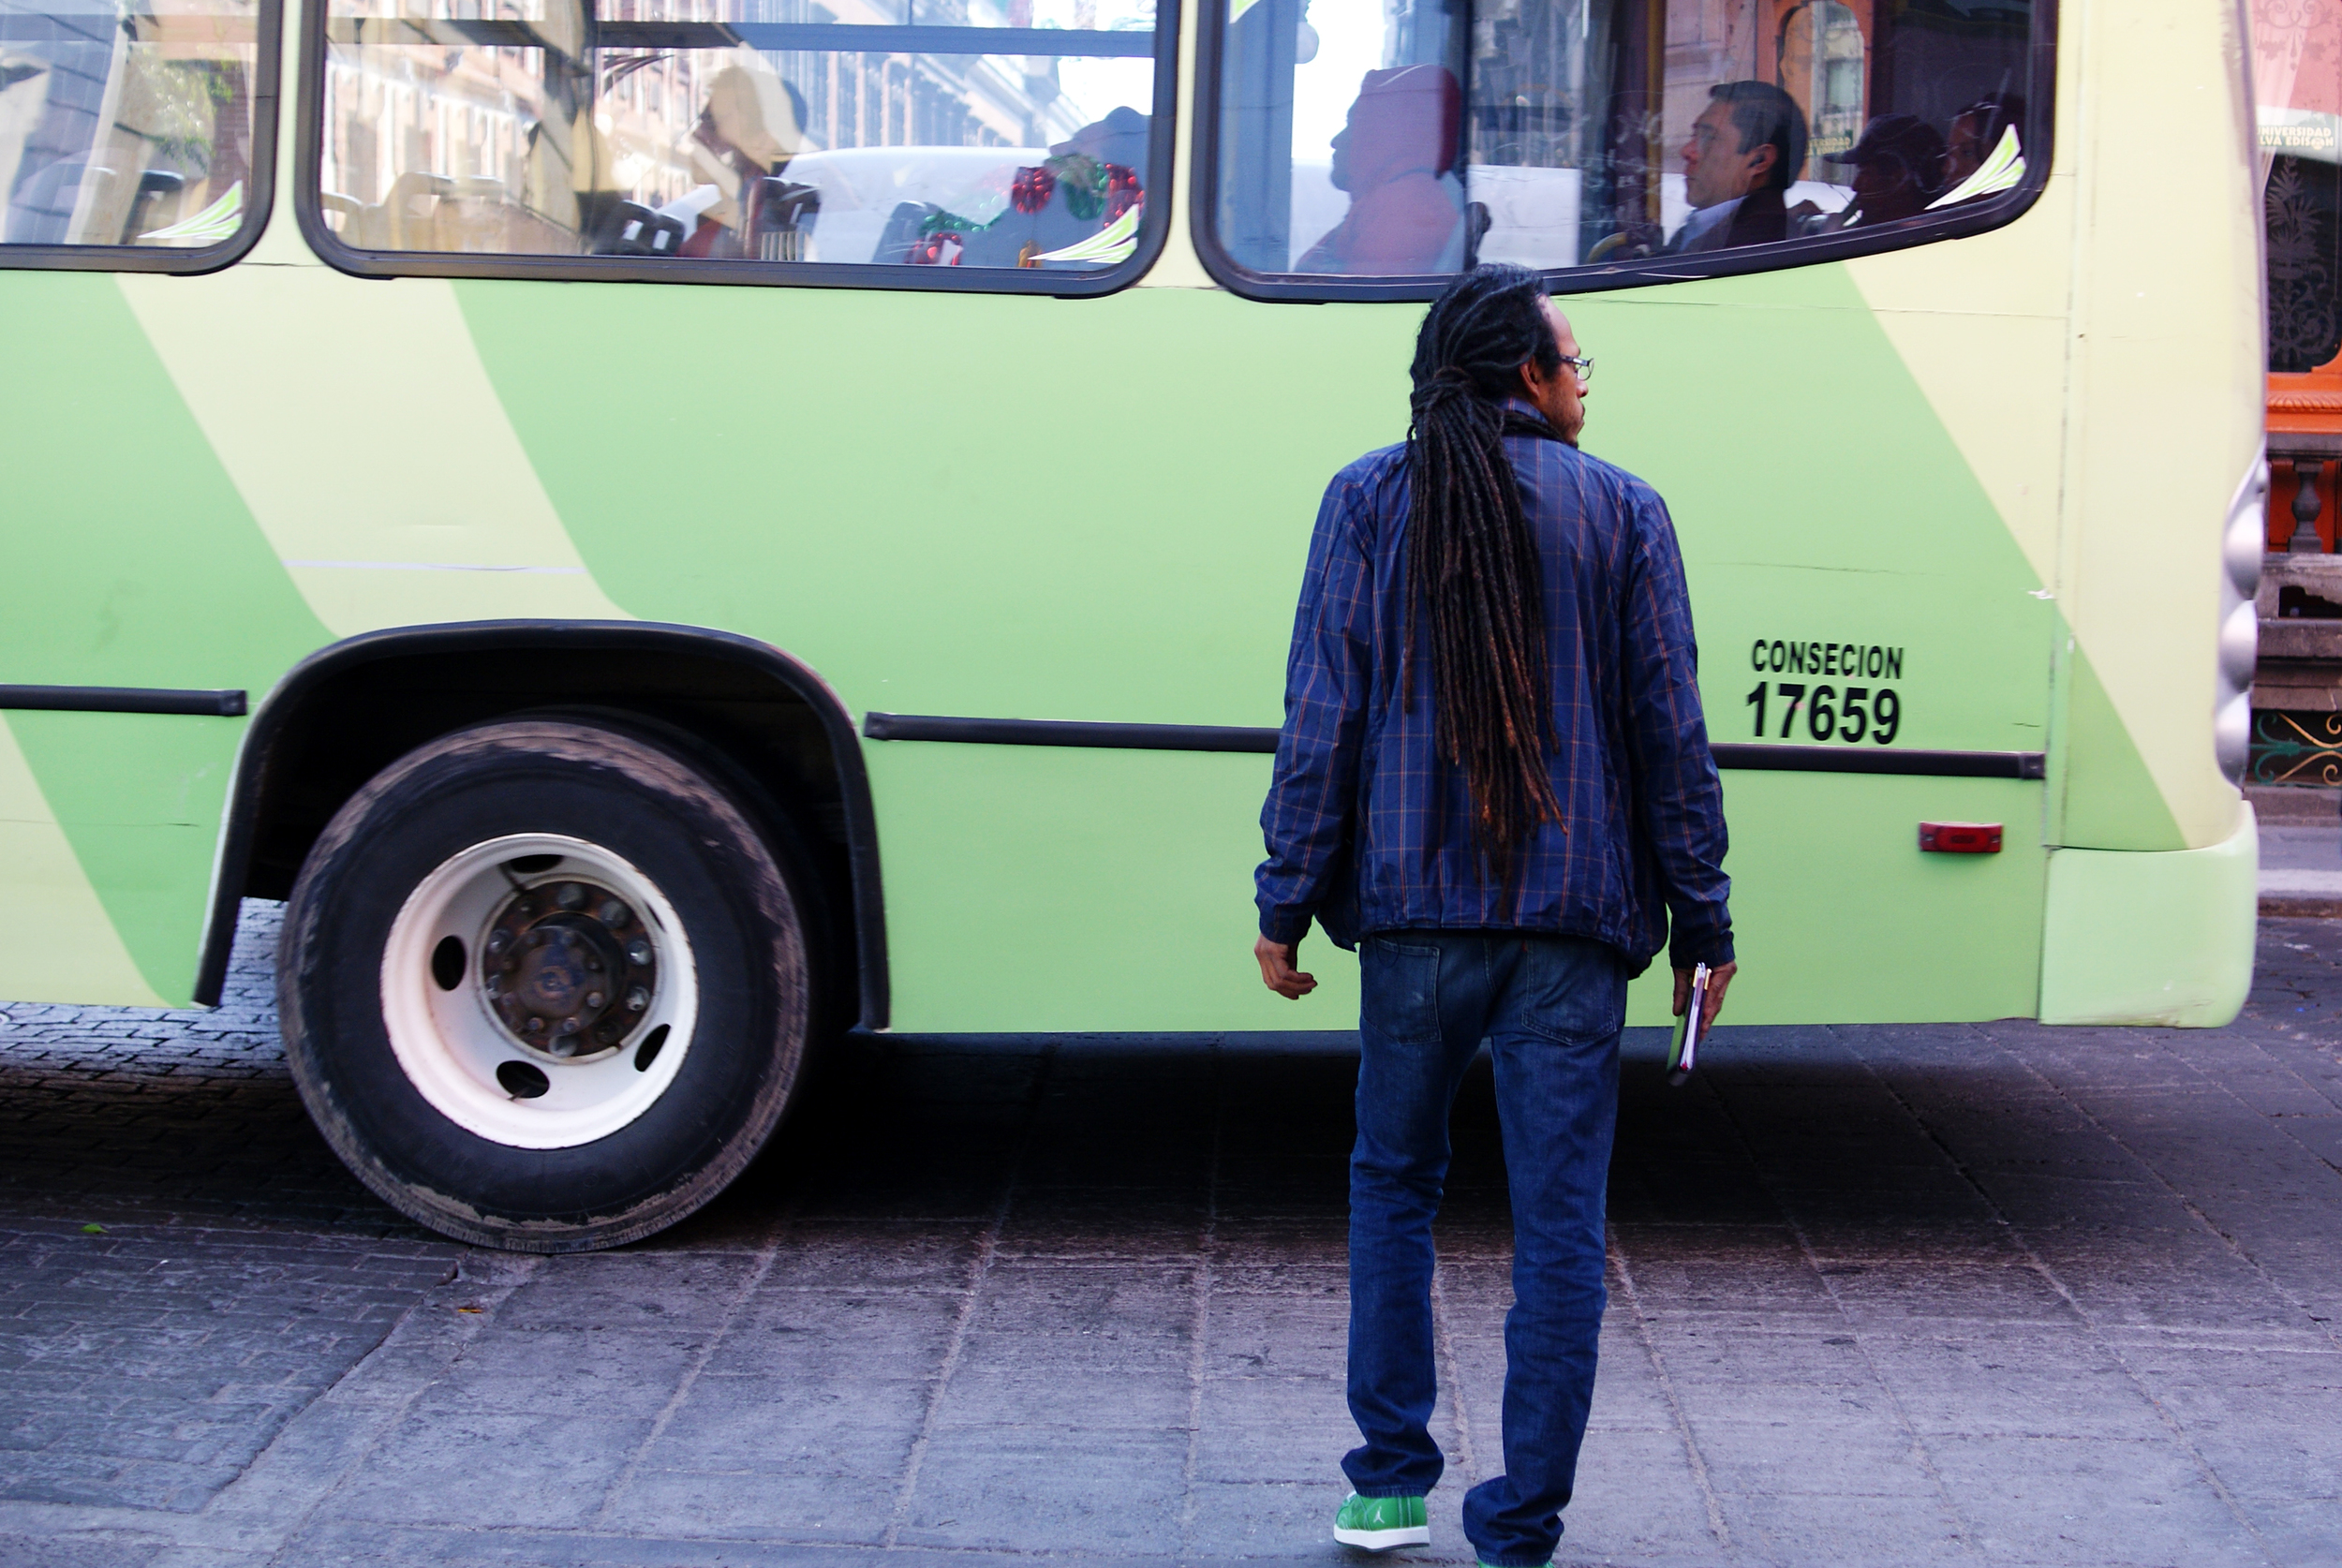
[(544, 986)]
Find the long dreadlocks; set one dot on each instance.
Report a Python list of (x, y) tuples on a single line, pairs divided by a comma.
[(1471, 565)]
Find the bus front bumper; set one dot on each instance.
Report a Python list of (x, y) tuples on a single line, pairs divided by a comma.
[(2152, 938)]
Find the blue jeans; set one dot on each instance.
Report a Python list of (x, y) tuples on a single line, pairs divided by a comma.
[(1550, 1007)]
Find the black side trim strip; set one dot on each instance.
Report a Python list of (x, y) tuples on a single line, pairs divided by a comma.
[(1052, 731), (279, 708), (1231, 737), (1749, 757), (122, 698)]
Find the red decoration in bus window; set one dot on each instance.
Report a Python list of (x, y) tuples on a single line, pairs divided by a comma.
[(930, 250), (1030, 189), (1123, 192)]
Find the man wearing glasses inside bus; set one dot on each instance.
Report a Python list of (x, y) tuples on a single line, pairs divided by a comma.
[(1494, 778), (1744, 149)]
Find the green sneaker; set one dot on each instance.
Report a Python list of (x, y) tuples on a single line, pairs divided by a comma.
[(1380, 1523)]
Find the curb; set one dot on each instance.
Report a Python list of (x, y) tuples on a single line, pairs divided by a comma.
[(2299, 906)]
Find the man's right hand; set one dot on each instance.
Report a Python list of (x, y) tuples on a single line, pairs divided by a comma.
[(1718, 978), (1277, 971)]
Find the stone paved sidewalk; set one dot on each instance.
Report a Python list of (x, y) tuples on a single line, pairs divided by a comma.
[(1975, 1294)]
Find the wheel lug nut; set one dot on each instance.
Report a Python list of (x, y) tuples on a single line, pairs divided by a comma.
[(637, 999), (592, 963), (638, 952), (613, 914), (571, 897), (535, 1024), (498, 940), (595, 999)]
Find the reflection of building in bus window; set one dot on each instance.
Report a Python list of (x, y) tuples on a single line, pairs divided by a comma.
[(1898, 171), (1743, 150), (1395, 158), (108, 138), (568, 179), (1976, 131), (1823, 53)]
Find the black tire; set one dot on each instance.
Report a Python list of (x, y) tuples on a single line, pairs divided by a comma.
[(749, 923)]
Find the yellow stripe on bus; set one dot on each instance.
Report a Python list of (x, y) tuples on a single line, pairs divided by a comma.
[(363, 433)]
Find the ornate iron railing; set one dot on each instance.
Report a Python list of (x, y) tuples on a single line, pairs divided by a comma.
[(2295, 747)]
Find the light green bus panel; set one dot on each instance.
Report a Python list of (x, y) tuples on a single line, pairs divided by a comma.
[(1980, 477), (133, 562)]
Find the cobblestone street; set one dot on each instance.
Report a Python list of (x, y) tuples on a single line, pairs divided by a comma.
[(1894, 1295)]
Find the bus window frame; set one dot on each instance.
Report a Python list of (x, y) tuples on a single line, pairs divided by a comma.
[(1154, 227), (259, 197), (1973, 217)]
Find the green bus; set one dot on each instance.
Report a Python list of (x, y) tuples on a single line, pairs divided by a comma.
[(667, 529)]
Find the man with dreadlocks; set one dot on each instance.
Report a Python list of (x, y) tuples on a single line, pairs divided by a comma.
[(1493, 778)]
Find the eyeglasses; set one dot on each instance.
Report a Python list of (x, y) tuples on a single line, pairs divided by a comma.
[(1583, 366)]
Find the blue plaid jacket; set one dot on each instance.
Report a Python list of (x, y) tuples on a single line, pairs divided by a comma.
[(1362, 800)]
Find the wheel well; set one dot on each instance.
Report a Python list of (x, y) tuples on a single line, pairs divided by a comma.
[(346, 712)]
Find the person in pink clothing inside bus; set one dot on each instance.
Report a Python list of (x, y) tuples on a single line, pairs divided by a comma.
[(1401, 140)]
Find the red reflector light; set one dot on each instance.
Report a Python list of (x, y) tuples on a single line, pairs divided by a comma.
[(1961, 838)]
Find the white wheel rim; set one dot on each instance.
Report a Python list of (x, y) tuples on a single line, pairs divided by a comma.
[(452, 1042)]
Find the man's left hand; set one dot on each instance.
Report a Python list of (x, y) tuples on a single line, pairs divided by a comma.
[(1719, 977), (1277, 971)]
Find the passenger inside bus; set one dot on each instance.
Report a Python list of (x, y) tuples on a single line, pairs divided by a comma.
[(1898, 172), (1974, 132), (1744, 149), (1597, 132), (743, 138), (1120, 138), (1395, 159)]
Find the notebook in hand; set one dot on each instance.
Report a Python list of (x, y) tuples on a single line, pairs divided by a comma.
[(1683, 1054)]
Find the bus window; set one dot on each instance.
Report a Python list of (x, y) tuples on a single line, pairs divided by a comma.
[(2302, 209), (1404, 138), (914, 134), (2300, 123), (127, 124)]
